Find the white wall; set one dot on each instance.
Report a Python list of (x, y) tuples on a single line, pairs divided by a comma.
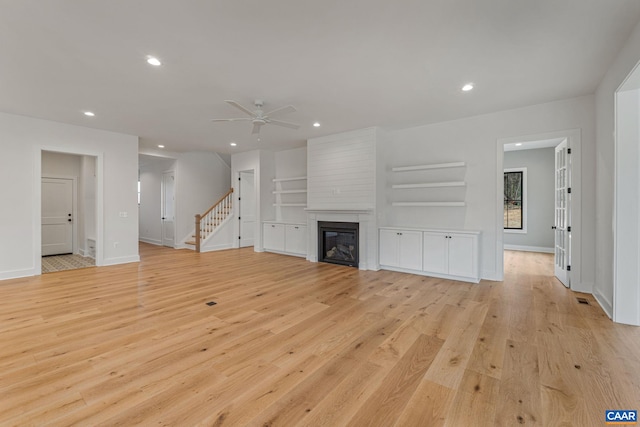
[(342, 171), (474, 141), (201, 179), (540, 164), (605, 166), (21, 140), (150, 208)]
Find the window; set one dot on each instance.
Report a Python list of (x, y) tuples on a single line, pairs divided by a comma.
[(515, 200)]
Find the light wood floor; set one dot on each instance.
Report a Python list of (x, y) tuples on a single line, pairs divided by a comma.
[(295, 343)]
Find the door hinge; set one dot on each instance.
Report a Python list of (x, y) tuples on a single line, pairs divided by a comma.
[(238, 178), (239, 198), (569, 229), (569, 150), (569, 190), (239, 237), (238, 218), (568, 268)]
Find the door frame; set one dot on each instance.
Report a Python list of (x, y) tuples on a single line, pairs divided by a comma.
[(36, 215), (625, 304), (574, 141), (75, 246)]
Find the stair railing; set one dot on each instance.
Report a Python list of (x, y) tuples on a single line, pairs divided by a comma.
[(212, 218)]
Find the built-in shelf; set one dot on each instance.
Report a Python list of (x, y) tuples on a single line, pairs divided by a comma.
[(289, 191), (431, 166), (297, 178), (431, 185), (290, 204), (434, 204)]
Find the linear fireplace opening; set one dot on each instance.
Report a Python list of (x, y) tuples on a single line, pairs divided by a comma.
[(338, 242)]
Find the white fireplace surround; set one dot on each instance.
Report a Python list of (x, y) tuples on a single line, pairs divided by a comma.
[(368, 239)]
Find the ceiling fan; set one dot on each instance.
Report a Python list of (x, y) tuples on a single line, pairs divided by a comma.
[(259, 118)]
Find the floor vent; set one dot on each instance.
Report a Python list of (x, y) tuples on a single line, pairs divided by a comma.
[(211, 303), (583, 301)]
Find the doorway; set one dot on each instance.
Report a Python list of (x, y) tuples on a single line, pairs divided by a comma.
[(247, 207), (561, 222), (68, 211)]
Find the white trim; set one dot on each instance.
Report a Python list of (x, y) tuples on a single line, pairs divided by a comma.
[(574, 141), (525, 202), (121, 260), (16, 274), (150, 241), (604, 303), (529, 249), (214, 248)]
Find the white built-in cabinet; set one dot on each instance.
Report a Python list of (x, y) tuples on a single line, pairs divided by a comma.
[(401, 248), (285, 238), (451, 254)]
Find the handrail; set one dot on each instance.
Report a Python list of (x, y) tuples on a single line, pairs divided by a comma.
[(218, 202), (212, 220)]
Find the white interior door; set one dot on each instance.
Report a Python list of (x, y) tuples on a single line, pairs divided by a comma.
[(168, 208), (247, 211), (57, 216), (562, 214)]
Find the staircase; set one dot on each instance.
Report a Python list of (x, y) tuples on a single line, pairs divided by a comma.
[(208, 222)]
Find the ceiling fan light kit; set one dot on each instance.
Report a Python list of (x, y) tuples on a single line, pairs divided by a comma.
[(258, 117)]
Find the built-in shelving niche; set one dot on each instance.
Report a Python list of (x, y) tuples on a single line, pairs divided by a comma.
[(429, 185), (290, 192)]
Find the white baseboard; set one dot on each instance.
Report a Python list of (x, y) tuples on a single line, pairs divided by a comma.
[(121, 260), (15, 274), (216, 248), (150, 241), (529, 249), (604, 302)]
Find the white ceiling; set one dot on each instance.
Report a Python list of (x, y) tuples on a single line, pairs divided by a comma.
[(348, 64)]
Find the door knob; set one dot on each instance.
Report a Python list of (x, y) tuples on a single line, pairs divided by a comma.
[(69, 220)]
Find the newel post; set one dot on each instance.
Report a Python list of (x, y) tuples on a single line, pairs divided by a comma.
[(198, 219)]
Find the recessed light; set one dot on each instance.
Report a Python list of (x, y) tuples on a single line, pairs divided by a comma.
[(160, 146), (467, 87), (152, 60), (518, 144), (316, 125), (89, 113), (233, 144)]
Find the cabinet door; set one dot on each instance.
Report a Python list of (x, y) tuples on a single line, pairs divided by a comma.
[(410, 250), (389, 242), (295, 239), (435, 257), (462, 255), (273, 237)]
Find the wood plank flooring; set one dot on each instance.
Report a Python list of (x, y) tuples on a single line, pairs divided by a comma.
[(295, 343)]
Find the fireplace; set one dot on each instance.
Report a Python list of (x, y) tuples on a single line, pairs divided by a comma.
[(338, 242)]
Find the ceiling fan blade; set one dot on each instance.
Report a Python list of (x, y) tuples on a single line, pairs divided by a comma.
[(231, 120), (282, 110), (240, 107), (284, 124), (256, 128)]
